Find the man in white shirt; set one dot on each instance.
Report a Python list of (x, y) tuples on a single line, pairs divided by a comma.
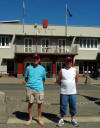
[(68, 78)]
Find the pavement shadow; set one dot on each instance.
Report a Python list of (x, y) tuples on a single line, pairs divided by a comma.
[(50, 116), (25, 116), (53, 117), (22, 115), (96, 100)]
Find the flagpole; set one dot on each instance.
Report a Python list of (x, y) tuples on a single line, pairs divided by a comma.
[(66, 21), (23, 25), (23, 14)]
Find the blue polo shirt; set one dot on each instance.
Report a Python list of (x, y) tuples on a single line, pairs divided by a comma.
[(35, 76)]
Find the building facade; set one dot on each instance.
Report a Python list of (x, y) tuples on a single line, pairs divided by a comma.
[(53, 44)]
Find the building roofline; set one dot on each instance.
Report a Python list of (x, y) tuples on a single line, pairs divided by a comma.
[(18, 21), (67, 25)]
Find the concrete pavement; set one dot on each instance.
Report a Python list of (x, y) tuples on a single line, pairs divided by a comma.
[(51, 81), (88, 107), (51, 125), (10, 80), (14, 80), (80, 119)]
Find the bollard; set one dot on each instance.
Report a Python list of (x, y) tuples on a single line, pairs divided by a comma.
[(3, 109)]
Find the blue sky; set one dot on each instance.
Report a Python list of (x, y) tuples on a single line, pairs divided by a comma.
[(84, 12)]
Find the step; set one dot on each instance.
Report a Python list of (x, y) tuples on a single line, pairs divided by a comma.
[(14, 120)]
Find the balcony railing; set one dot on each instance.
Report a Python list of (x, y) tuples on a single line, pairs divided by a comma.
[(72, 50)]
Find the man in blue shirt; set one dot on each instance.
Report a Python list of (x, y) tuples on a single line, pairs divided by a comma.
[(35, 76)]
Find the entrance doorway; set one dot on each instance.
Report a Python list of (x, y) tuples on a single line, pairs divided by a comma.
[(59, 65), (87, 66), (10, 67), (46, 65), (27, 63), (48, 68)]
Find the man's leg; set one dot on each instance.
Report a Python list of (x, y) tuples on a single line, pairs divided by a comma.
[(72, 107), (63, 108), (30, 108), (63, 104), (39, 114)]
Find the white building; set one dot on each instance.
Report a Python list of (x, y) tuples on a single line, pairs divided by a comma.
[(53, 44)]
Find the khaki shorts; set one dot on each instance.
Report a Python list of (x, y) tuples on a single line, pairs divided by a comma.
[(33, 96)]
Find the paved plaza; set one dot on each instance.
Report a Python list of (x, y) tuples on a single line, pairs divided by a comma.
[(88, 107)]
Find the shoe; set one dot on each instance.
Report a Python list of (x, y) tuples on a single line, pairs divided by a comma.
[(74, 123), (61, 122)]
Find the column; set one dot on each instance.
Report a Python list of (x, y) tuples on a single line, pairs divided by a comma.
[(20, 69), (54, 69)]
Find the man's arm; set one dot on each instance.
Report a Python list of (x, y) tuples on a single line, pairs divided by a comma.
[(59, 77), (26, 75), (26, 79), (43, 81), (44, 76), (76, 78)]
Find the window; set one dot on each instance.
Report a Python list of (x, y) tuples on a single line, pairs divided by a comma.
[(81, 44), (61, 45), (91, 43), (7, 41), (28, 45), (4, 42), (44, 45), (95, 43), (88, 43), (84, 43)]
